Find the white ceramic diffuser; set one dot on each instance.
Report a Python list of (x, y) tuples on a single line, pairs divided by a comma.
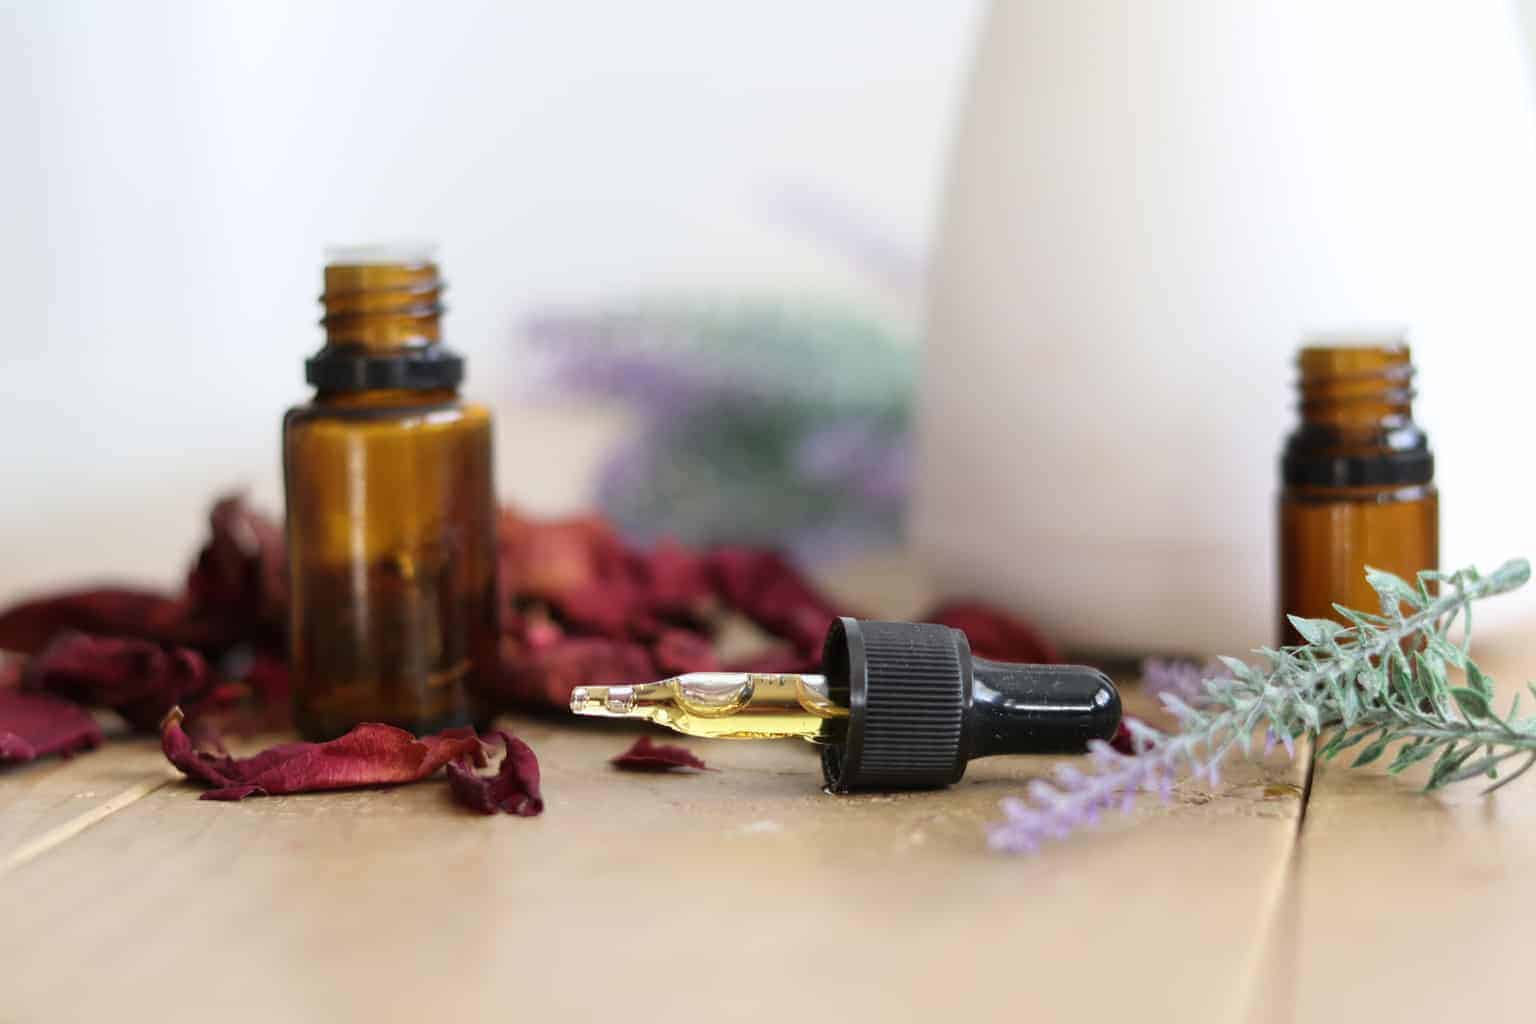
[(1151, 202)]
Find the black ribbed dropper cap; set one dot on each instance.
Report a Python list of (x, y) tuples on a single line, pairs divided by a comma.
[(920, 706)]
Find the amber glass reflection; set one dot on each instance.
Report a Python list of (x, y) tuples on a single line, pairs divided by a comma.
[(1359, 486), (390, 528)]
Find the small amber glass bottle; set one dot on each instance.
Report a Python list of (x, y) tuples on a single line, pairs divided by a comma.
[(1358, 482), (391, 512)]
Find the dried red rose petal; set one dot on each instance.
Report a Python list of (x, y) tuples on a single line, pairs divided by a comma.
[(514, 788), (765, 588), (777, 659), (258, 701), (614, 609), (36, 725), (995, 634), (240, 576), (369, 755), (645, 756), (268, 679), (116, 611), (549, 558), (677, 651), (674, 580), (1123, 741), (537, 630), (139, 679), (545, 676)]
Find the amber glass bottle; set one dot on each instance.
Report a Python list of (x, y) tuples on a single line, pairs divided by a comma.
[(1358, 482), (391, 512)]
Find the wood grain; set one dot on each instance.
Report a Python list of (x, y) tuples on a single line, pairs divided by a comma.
[(1411, 904), (46, 803), (743, 894), (748, 894)]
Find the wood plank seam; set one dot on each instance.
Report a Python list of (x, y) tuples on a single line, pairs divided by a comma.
[(68, 830), (1269, 994)]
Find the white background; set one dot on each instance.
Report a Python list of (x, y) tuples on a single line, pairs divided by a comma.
[(171, 173)]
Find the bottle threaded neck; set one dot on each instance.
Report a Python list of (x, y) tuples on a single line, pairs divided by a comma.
[(383, 326), (1357, 429), (382, 306), (1356, 385)]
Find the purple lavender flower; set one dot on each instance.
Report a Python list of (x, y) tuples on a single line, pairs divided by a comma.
[(862, 457), (1180, 677), (1077, 799), (756, 421)]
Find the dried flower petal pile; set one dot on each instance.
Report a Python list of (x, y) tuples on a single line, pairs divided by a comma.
[(139, 679), (34, 725), (579, 606)]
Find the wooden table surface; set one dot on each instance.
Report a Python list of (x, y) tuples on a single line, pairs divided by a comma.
[(748, 894)]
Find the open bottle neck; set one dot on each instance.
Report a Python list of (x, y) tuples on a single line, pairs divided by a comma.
[(1357, 428), (1356, 387), (382, 307), (383, 330)]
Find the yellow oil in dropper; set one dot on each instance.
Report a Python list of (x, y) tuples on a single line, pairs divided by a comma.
[(725, 705)]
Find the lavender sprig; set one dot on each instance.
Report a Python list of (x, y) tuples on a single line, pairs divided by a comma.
[(1382, 679), (1079, 799), (1180, 677)]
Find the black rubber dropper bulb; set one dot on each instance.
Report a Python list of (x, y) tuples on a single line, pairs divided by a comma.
[(920, 706)]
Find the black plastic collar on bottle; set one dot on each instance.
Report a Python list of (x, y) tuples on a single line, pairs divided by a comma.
[(1397, 469), (351, 368), (1319, 456)]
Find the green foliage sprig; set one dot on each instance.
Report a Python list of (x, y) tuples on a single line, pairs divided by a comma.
[(1376, 679)]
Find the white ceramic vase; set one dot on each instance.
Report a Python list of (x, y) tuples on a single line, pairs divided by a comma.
[(1150, 203)]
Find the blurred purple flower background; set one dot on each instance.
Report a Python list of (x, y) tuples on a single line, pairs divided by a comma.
[(781, 420)]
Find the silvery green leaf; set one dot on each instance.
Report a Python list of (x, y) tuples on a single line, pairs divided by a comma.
[(1529, 761), (1275, 659), (1333, 687), (1176, 706), (1394, 590), (1380, 683), (1331, 746), (1445, 650), (1486, 765), (1309, 716), (1373, 678), (1363, 620), (1399, 676), (1372, 752), (1514, 573), (1239, 668), (1410, 754), (1472, 703), (1451, 758), (1315, 631), (1479, 682), (1430, 676), (1341, 739), (1346, 741), (1350, 705)]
